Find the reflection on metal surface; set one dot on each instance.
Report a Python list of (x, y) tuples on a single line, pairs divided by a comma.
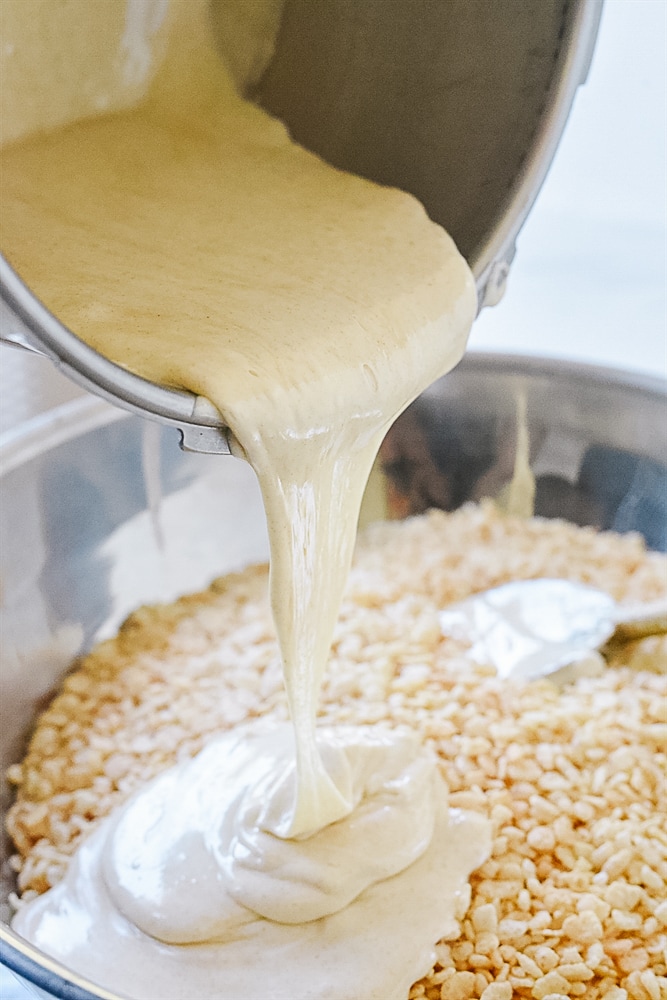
[(598, 443)]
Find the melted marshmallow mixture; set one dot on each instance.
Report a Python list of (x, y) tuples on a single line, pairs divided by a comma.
[(191, 241)]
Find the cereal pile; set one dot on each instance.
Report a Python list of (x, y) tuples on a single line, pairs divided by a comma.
[(572, 902)]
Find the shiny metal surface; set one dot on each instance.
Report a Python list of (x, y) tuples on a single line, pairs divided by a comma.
[(598, 442), (26, 323), (461, 104), (82, 542)]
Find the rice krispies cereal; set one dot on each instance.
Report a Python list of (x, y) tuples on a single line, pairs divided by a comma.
[(572, 902)]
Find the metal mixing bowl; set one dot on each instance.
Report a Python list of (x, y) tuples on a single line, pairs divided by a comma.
[(82, 544)]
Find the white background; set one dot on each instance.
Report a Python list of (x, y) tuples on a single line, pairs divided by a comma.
[(589, 280)]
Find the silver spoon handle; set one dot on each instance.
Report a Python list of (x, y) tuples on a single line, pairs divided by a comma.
[(633, 621)]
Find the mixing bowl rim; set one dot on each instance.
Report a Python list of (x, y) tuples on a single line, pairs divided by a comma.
[(47, 974), (55, 426), (60, 424)]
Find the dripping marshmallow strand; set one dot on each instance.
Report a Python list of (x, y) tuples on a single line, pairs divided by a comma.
[(190, 240)]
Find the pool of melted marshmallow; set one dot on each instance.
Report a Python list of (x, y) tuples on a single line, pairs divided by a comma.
[(196, 860)]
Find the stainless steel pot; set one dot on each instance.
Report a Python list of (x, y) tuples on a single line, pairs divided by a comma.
[(81, 544), (462, 104)]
